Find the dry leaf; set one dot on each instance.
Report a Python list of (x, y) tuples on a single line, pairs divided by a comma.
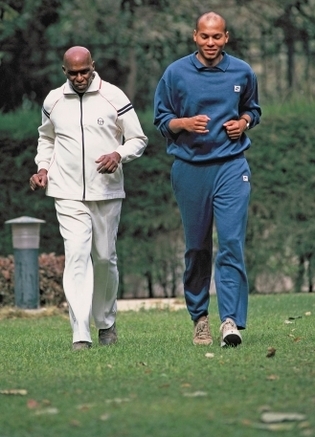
[(271, 352), (308, 313), (196, 394), (209, 355), (32, 404), (117, 400), (272, 377), (20, 392), (274, 417), (50, 410)]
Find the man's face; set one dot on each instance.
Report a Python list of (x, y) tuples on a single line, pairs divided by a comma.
[(80, 73), (210, 39)]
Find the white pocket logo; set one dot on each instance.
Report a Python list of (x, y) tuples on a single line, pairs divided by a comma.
[(245, 178), (237, 88)]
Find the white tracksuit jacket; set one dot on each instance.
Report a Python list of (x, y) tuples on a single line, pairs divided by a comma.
[(76, 130)]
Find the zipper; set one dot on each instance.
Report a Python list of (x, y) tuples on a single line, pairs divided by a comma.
[(83, 148)]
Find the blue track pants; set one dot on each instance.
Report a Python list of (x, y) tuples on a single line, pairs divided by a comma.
[(214, 194)]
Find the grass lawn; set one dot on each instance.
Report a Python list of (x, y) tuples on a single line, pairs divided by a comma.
[(155, 382)]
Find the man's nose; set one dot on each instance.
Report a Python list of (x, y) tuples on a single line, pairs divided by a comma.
[(79, 77), (210, 41)]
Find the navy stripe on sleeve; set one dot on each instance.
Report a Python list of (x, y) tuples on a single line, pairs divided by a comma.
[(45, 112), (124, 109)]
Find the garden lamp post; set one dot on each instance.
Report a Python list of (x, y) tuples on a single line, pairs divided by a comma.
[(25, 239)]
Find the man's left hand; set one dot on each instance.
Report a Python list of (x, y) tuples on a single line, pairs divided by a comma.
[(108, 163), (235, 128)]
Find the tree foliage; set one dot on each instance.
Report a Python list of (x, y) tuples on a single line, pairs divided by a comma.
[(133, 41)]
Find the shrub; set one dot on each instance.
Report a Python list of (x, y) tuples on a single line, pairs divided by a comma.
[(50, 273)]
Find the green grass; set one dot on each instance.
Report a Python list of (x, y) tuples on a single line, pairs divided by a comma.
[(154, 382)]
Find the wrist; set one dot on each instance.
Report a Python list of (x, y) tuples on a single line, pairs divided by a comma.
[(246, 121)]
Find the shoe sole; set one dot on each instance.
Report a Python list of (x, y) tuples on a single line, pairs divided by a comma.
[(203, 342), (231, 340)]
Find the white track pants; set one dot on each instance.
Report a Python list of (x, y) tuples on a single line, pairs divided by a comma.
[(90, 280)]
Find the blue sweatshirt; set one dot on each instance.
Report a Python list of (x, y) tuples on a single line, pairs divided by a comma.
[(224, 92)]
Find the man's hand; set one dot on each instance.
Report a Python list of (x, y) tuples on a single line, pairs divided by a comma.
[(39, 180), (235, 128), (197, 124), (108, 163)]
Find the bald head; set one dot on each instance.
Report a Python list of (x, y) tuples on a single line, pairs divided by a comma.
[(211, 18), (77, 54), (79, 66)]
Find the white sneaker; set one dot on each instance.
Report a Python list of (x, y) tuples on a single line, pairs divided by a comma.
[(230, 335)]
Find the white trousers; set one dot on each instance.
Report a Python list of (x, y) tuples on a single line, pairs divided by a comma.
[(90, 279)]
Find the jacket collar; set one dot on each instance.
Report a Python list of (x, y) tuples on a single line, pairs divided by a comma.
[(222, 65)]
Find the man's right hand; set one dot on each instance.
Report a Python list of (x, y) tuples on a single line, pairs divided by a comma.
[(39, 180)]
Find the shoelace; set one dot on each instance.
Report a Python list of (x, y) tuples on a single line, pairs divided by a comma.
[(202, 329)]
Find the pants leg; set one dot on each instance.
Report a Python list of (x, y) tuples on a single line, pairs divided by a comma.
[(231, 199), (105, 218), (76, 230), (192, 186)]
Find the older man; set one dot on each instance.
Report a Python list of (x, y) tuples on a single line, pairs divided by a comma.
[(89, 130)]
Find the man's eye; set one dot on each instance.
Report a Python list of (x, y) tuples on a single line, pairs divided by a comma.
[(82, 72)]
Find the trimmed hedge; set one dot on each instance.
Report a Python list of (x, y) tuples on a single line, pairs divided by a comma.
[(50, 280)]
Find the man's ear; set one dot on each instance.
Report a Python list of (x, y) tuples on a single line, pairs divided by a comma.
[(63, 69)]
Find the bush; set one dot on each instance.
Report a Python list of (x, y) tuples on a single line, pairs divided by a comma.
[(50, 280)]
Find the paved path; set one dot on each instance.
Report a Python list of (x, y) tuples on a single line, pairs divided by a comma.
[(137, 304)]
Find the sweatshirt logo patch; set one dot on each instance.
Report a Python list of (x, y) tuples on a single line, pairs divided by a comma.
[(237, 88), (245, 178), (100, 121)]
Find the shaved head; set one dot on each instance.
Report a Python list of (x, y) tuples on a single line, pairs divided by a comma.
[(77, 54), (212, 17)]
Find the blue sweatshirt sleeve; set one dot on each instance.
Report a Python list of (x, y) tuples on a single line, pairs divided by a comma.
[(164, 108), (249, 102)]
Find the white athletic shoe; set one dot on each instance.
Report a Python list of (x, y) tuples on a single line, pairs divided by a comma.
[(230, 335)]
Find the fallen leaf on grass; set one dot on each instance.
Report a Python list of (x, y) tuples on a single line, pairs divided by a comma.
[(209, 355), (32, 404), (288, 322), (195, 394), (44, 411), (275, 417), (19, 392), (308, 313), (117, 400), (272, 377), (271, 352)]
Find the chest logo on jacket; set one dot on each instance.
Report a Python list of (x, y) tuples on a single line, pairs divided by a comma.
[(100, 121)]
